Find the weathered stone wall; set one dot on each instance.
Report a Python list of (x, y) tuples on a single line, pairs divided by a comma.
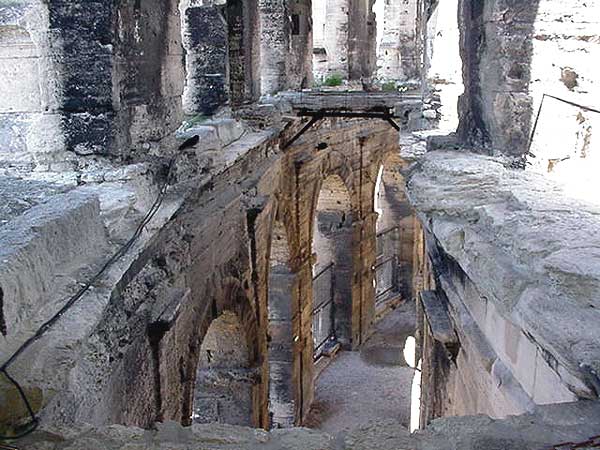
[(566, 44), (514, 52), (520, 302), (30, 118), (134, 356), (114, 75)]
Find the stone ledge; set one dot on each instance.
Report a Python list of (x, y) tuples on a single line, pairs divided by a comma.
[(483, 213), (546, 427)]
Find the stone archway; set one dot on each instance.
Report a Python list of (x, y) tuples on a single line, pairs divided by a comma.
[(332, 269), (396, 234), (224, 382)]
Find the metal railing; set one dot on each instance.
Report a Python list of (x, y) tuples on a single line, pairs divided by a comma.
[(382, 238), (323, 315), (385, 278)]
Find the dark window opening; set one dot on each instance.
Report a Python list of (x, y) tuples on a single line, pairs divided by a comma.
[(295, 24)]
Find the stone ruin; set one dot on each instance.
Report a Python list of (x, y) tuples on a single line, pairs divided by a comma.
[(210, 206)]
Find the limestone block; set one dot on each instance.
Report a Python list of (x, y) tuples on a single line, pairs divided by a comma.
[(228, 130), (514, 234)]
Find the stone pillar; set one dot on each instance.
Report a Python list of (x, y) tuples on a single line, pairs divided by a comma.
[(336, 36), (496, 109), (205, 41), (399, 53), (362, 39), (30, 118), (300, 73), (237, 80), (149, 69), (275, 45)]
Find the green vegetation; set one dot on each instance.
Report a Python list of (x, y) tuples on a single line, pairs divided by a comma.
[(389, 86), (333, 80)]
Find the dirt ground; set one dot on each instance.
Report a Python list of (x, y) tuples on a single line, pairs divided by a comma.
[(368, 385)]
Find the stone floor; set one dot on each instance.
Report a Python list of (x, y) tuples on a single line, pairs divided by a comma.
[(370, 385)]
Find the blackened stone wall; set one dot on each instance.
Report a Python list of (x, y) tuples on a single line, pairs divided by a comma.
[(205, 40)]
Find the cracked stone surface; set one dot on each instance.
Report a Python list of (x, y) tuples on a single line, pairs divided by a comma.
[(532, 252)]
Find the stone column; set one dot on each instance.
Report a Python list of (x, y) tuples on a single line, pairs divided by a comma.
[(275, 45), (300, 74), (399, 53), (495, 110), (336, 36), (362, 37), (205, 41)]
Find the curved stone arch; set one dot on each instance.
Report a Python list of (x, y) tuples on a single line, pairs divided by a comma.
[(395, 234), (332, 244), (223, 390), (229, 300), (343, 171)]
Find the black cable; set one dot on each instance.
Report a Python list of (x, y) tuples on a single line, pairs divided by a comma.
[(34, 422), (586, 108), (537, 118)]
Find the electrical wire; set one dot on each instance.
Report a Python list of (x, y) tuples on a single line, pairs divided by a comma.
[(32, 425), (537, 117)]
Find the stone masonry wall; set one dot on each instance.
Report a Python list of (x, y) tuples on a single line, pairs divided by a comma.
[(30, 119), (511, 53), (132, 347), (518, 287)]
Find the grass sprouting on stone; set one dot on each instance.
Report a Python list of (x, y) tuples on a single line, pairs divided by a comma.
[(333, 80), (389, 86)]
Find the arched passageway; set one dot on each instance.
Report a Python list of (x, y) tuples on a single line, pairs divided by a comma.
[(395, 236), (373, 381), (282, 405), (332, 270), (224, 381)]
